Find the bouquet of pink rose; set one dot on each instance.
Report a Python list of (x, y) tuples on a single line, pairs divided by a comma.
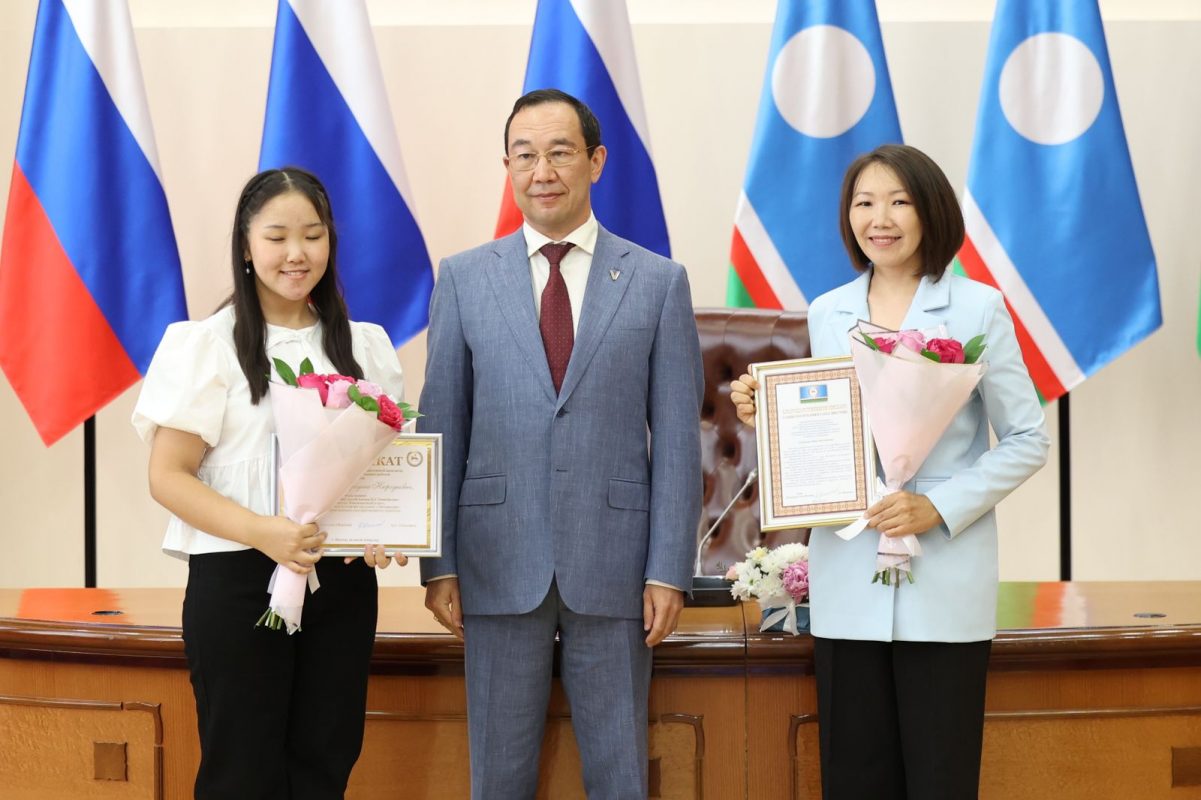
[(913, 386), (779, 580), (330, 429)]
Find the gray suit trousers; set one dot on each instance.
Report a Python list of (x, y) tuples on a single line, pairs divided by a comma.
[(606, 670)]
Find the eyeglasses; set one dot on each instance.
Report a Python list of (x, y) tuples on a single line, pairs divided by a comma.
[(558, 158)]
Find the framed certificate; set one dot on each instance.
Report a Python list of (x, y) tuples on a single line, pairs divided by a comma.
[(817, 464), (396, 503)]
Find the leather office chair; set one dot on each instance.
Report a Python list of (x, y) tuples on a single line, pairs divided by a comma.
[(732, 338)]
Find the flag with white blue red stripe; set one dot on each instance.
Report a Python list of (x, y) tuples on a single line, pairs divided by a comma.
[(327, 112), (89, 269), (826, 99), (1052, 208), (584, 48)]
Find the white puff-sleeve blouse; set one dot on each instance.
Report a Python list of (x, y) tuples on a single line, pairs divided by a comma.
[(195, 384)]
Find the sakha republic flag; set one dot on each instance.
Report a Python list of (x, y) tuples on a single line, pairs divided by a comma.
[(584, 48), (89, 269), (325, 62), (1051, 207), (826, 100)]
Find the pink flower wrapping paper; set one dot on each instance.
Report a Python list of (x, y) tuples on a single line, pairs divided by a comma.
[(323, 451), (910, 402)]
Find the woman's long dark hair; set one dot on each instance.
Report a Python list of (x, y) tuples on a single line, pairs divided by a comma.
[(250, 328)]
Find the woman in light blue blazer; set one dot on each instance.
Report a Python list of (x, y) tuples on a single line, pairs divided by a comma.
[(901, 669)]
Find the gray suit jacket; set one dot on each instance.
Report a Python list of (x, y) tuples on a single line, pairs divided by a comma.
[(598, 487)]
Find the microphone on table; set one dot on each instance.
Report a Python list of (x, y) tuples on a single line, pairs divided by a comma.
[(714, 590)]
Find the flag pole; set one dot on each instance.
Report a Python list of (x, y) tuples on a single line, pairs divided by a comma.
[(1065, 489), (89, 502)]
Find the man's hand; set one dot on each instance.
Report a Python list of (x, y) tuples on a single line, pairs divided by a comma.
[(660, 611), (903, 513), (742, 395), (442, 598)]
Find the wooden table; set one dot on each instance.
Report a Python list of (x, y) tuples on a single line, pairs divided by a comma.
[(1086, 699)]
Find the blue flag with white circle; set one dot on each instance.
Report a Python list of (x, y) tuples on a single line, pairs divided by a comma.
[(1052, 208), (826, 99)]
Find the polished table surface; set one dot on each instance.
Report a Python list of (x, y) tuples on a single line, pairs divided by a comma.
[(1094, 691), (142, 626), (1037, 621)]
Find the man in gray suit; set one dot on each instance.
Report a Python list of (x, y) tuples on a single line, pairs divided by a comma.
[(564, 374)]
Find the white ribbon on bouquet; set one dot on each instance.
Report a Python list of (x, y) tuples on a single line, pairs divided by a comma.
[(893, 554)]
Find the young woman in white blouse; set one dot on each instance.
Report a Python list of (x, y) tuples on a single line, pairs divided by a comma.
[(280, 716)]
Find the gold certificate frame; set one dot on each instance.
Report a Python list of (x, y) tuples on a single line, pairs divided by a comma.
[(396, 503), (817, 462)]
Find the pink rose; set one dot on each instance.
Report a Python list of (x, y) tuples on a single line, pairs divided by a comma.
[(314, 381), (390, 413), (796, 580), (732, 574), (369, 389), (886, 342), (338, 397), (948, 351), (912, 339)]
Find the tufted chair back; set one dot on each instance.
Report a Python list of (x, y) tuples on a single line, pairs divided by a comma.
[(732, 338)]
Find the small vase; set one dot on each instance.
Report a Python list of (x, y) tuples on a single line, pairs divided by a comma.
[(802, 619)]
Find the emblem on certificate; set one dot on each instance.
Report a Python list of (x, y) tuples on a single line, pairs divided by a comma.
[(396, 503), (817, 463)]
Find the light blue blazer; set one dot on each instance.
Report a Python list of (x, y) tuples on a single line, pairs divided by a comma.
[(598, 487), (954, 596)]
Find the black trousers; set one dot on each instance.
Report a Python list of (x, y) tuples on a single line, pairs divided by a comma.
[(901, 720), (280, 717)]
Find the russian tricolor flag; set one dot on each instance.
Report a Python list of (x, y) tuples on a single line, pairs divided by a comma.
[(327, 112), (89, 270), (584, 48), (1052, 209), (826, 99)]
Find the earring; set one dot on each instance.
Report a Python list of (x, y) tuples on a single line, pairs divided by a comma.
[(247, 267)]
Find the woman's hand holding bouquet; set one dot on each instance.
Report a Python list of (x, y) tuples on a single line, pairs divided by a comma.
[(913, 386), (330, 429)]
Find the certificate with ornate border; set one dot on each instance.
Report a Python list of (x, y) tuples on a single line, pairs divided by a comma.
[(397, 502), (817, 463)]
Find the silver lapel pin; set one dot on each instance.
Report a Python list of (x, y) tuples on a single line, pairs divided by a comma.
[(614, 274)]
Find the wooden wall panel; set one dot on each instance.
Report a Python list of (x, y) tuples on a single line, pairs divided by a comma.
[(1110, 707), (806, 758), (80, 749), (426, 724), (782, 737), (1089, 754), (167, 690)]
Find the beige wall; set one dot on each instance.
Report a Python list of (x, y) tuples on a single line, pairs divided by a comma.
[(453, 68)]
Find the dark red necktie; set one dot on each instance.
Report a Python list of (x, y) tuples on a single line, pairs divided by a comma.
[(555, 322)]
